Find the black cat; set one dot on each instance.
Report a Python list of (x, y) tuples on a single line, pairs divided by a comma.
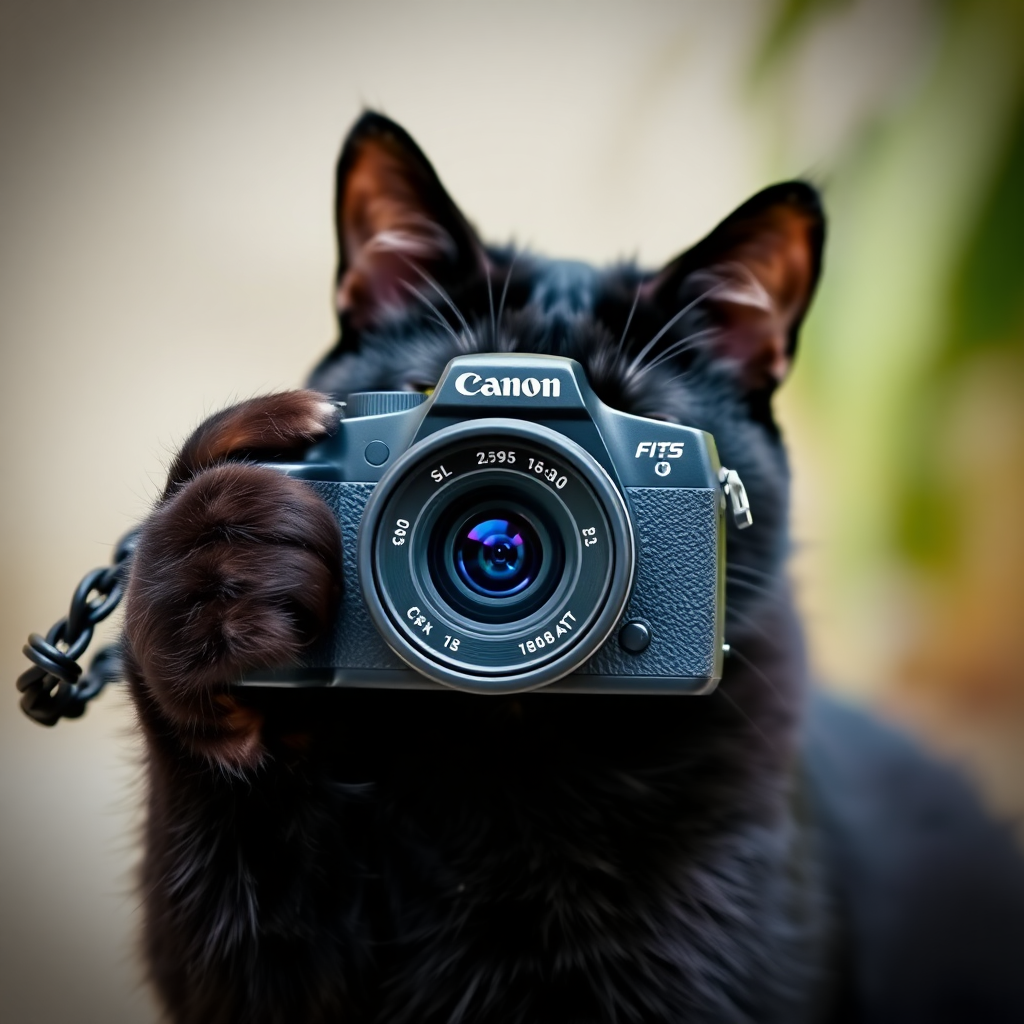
[(357, 855)]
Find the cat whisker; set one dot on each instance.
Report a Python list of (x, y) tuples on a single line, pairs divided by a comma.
[(749, 720), (490, 302), (438, 316), (632, 310), (679, 346), (504, 287), (747, 620), (641, 371), (639, 358), (756, 587), (763, 676), (443, 292), (680, 376), (752, 570)]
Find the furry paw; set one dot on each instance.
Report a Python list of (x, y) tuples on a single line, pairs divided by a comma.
[(284, 423), (238, 568)]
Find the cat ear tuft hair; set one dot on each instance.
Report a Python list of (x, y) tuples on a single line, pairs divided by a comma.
[(753, 276), (397, 227)]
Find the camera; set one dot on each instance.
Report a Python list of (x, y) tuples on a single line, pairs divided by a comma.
[(511, 532)]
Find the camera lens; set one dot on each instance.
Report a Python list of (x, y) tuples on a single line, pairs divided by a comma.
[(499, 556), (495, 555)]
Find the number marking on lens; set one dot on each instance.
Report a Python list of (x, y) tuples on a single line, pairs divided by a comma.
[(589, 538), (452, 643), (549, 473), (490, 458), (545, 639), (401, 529)]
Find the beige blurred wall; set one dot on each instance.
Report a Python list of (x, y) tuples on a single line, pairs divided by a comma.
[(166, 247)]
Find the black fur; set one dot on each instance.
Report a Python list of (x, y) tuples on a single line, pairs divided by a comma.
[(440, 857)]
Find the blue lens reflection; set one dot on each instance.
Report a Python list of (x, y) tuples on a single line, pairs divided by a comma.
[(498, 557)]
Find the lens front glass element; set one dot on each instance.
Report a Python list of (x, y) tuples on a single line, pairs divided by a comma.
[(495, 553), (497, 557)]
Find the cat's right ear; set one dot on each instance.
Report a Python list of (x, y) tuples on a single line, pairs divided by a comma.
[(397, 228), (752, 278)]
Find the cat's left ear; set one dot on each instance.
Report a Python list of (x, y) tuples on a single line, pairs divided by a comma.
[(396, 226), (753, 277)]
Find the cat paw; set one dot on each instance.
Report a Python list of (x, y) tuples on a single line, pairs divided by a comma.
[(281, 424), (238, 568)]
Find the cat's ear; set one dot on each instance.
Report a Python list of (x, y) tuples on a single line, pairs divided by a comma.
[(397, 227), (753, 277)]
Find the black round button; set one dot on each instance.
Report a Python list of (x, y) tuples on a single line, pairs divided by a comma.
[(377, 453), (634, 637)]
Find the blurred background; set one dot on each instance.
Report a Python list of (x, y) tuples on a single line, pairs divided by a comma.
[(166, 248)]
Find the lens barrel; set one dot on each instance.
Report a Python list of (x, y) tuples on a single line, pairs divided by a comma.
[(495, 555)]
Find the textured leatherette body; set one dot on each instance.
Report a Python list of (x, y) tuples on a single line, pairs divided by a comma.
[(355, 642), (675, 531)]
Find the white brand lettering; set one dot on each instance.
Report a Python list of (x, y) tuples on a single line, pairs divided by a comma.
[(472, 384), (463, 381), (659, 449)]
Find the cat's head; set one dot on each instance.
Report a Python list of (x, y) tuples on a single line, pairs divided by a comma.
[(703, 341)]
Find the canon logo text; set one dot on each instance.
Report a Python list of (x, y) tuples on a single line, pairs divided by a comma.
[(473, 384)]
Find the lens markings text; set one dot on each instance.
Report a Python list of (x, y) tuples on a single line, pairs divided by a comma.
[(419, 620), (545, 639), (549, 473), (488, 458)]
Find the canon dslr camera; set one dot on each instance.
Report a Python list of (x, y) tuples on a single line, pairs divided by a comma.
[(511, 532)]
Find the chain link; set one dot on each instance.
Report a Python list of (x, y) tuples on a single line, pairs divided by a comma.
[(55, 688)]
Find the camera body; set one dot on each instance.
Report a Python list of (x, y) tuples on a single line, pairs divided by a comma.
[(511, 532)]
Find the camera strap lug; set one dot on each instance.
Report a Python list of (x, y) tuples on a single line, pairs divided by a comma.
[(732, 487)]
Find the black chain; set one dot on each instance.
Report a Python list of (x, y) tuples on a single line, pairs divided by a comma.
[(55, 687)]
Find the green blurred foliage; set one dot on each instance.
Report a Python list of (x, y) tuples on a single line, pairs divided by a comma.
[(789, 22), (988, 288), (905, 411), (985, 314), (925, 273)]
